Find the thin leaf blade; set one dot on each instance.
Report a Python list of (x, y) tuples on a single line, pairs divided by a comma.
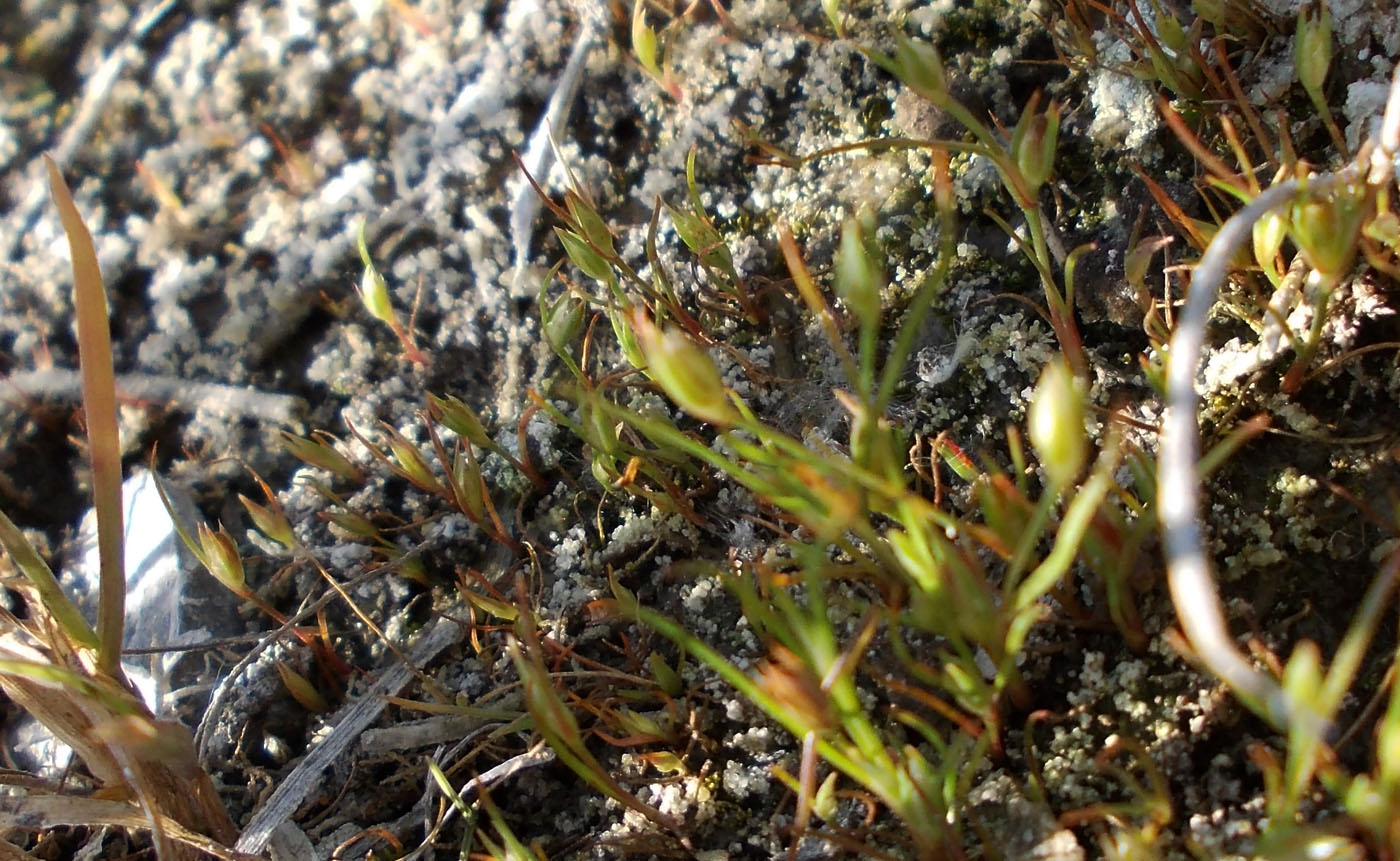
[(100, 409)]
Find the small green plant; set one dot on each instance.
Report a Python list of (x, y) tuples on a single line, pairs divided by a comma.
[(854, 515), (1024, 160), (897, 579), (650, 48), (849, 512)]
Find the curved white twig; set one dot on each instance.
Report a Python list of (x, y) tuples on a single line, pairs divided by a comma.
[(1192, 586), (1178, 494)]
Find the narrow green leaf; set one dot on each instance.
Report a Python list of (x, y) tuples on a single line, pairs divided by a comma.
[(41, 577)]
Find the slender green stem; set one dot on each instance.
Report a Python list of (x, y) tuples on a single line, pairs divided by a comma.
[(1071, 534), (748, 688), (869, 334), (918, 310), (1030, 537)]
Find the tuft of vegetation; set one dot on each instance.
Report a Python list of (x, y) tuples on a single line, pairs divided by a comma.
[(894, 584)]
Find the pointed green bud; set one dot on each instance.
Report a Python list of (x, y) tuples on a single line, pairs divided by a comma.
[(220, 556), (588, 261), (1312, 46), (1302, 675), (589, 224), (302, 690), (374, 291), (701, 237), (356, 524), (599, 431), (318, 452), (1056, 425), (603, 468), (468, 488), (270, 521), (562, 319), (1034, 140), (411, 567), (1213, 12), (918, 65), (637, 724), (627, 340), (684, 371), (832, 8), (1170, 32), (644, 40), (859, 275), (1269, 233), (666, 678), (825, 801), (1327, 228), (1139, 256), (414, 467), (460, 419)]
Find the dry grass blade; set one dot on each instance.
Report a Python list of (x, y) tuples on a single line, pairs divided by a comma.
[(100, 410), (102, 719), (41, 685), (29, 812)]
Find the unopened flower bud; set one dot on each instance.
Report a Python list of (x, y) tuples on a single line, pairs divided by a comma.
[(684, 371), (1269, 233), (1326, 228), (460, 419), (374, 291), (859, 277), (918, 65), (1056, 423), (271, 521), (302, 690), (1312, 46), (589, 224), (562, 319), (220, 556), (588, 261), (1033, 142), (644, 42)]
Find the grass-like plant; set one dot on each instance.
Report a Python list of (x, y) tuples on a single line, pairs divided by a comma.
[(855, 514), (851, 515), (68, 676)]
